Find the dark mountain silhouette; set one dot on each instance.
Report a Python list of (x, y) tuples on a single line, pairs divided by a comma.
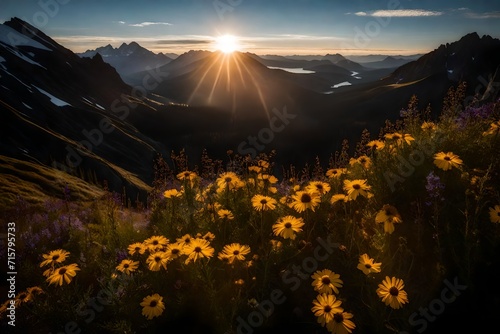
[(463, 60), (60, 110), (388, 62), (129, 58)]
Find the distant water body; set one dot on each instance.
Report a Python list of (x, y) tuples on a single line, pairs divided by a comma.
[(292, 70)]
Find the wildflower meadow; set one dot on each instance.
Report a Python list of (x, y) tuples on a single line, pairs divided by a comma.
[(398, 233)]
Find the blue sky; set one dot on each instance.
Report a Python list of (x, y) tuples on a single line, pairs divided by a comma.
[(262, 26)]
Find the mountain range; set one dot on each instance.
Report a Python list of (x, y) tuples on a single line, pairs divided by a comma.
[(73, 120), (129, 58)]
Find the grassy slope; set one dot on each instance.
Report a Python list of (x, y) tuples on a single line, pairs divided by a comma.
[(35, 183)]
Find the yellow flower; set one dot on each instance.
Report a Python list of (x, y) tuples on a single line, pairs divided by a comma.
[(171, 193), (196, 249), (48, 272), (318, 186), (156, 242), (367, 265), (341, 323), (325, 306), (28, 295), (408, 138), (127, 266), (229, 181), (335, 173), (54, 257), (152, 306), (399, 138), (187, 176), (136, 248), (428, 126), (157, 260), (339, 197), (326, 281), (174, 251), (446, 161), (391, 292), (263, 203), (63, 274), (233, 252), (363, 160), (263, 163), (209, 236), (495, 214), (388, 215), (493, 130), (357, 187), (185, 240), (287, 226), (276, 245), (34, 290), (225, 214), (255, 169), (267, 178), (376, 144), (303, 200)]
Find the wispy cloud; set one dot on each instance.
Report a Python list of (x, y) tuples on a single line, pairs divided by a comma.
[(400, 13), (182, 41), (292, 37), (479, 16), (146, 24)]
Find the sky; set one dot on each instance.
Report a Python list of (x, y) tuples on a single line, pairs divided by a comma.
[(282, 27)]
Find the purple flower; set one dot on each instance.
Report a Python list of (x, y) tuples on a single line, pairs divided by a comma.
[(434, 188), (471, 114), (121, 255)]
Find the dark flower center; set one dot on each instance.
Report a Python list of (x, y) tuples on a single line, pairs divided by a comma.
[(263, 201), (338, 317), (396, 136), (367, 265), (55, 257), (236, 252), (157, 259), (388, 212), (356, 186), (62, 271), (327, 309), (197, 249), (155, 242), (362, 160), (187, 240), (447, 158), (394, 291), (319, 186), (125, 265), (153, 303), (305, 198), (325, 280), (288, 225), (137, 248), (175, 251), (228, 179)]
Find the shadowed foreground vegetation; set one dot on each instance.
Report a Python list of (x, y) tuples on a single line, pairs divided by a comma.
[(231, 248)]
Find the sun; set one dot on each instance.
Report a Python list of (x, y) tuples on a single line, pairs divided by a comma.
[(227, 43)]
